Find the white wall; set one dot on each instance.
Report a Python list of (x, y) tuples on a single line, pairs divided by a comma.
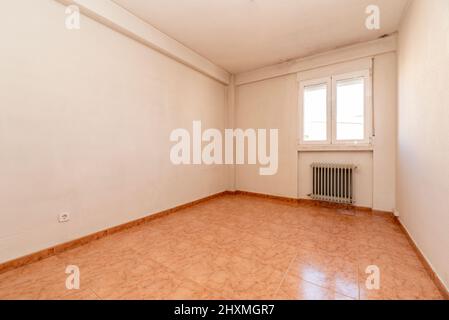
[(423, 131), (85, 118), (385, 128), (116, 17), (270, 104), (273, 103)]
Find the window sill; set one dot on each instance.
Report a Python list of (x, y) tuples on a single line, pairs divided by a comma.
[(338, 148)]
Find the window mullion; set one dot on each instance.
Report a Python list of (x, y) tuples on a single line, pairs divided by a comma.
[(333, 120)]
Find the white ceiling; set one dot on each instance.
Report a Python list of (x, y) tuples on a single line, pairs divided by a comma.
[(242, 35)]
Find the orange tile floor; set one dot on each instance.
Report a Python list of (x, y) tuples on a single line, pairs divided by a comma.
[(237, 247)]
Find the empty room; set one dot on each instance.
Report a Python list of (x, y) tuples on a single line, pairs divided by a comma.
[(224, 150)]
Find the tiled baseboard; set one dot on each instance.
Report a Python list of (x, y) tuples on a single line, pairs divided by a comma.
[(310, 202), (418, 252), (444, 291), (34, 257), (37, 256)]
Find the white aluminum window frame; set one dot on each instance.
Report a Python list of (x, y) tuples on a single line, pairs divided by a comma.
[(310, 83), (367, 118), (331, 83)]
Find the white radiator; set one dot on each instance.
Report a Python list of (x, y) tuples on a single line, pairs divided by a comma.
[(333, 182)]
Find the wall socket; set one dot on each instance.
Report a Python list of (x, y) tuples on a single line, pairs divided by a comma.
[(64, 217)]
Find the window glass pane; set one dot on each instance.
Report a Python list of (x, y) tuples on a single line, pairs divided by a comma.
[(315, 113), (350, 109)]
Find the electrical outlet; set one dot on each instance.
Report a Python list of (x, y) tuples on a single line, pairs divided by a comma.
[(64, 217)]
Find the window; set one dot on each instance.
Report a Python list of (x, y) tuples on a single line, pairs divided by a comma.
[(350, 109), (315, 113), (336, 110)]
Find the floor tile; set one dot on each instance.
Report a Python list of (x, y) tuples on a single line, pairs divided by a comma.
[(295, 288), (41, 280), (237, 247), (339, 274), (233, 277)]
